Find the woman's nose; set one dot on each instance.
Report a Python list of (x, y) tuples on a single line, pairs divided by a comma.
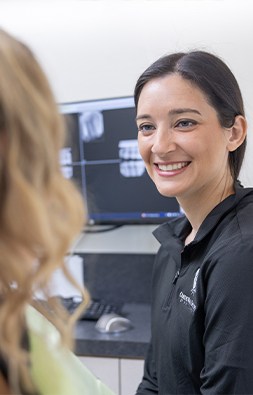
[(163, 142)]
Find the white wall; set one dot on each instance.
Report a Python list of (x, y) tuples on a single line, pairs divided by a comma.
[(96, 49)]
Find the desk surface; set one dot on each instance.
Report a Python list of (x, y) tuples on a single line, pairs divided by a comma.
[(132, 343), (127, 239)]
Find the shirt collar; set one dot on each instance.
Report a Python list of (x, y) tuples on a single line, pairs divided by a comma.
[(179, 228)]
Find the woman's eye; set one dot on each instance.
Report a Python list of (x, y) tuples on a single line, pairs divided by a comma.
[(185, 123), (145, 128)]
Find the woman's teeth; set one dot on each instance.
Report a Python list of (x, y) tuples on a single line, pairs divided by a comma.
[(174, 166)]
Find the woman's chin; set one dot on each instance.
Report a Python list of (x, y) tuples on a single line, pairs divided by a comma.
[(166, 192)]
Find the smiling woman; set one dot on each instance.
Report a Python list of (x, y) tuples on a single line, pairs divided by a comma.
[(192, 138), (184, 145)]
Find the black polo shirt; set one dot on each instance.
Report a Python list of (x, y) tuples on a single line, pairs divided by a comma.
[(202, 305)]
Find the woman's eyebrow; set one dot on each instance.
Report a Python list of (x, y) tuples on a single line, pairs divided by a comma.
[(144, 116), (175, 111)]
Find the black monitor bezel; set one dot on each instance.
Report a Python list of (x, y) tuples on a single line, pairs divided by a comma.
[(115, 218)]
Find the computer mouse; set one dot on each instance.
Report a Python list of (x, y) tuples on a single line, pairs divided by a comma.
[(112, 323)]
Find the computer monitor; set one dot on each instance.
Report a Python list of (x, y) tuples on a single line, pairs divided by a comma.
[(101, 155)]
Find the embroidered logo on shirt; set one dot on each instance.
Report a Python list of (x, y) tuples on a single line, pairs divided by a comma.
[(193, 290), (187, 301)]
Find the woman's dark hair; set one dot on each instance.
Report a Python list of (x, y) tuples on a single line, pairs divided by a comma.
[(214, 78)]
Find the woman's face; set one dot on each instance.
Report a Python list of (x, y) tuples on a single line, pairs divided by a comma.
[(181, 141)]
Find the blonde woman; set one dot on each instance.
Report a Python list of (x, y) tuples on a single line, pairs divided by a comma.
[(40, 215)]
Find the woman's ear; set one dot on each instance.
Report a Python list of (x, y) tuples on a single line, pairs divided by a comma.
[(237, 133)]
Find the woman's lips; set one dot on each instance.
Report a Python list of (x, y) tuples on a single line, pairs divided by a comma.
[(170, 169), (172, 166)]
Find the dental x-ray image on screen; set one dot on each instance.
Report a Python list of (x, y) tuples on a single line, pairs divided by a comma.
[(101, 155)]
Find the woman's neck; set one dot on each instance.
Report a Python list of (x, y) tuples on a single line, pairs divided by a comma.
[(198, 207)]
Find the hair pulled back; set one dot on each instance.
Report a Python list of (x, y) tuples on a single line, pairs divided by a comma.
[(214, 78)]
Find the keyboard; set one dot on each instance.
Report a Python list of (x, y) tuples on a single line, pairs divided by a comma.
[(95, 309)]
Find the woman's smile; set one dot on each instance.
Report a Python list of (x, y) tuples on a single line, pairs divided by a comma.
[(171, 169)]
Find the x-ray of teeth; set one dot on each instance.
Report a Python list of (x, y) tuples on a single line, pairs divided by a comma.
[(65, 156), (131, 164), (133, 168), (67, 171), (91, 125), (128, 149)]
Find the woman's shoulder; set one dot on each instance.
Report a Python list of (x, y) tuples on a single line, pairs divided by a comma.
[(55, 369)]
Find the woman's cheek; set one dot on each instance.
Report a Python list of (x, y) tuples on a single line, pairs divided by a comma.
[(143, 149)]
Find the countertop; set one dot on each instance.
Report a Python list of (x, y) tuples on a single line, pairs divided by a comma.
[(127, 239), (132, 343)]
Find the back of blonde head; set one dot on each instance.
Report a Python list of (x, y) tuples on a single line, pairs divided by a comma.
[(40, 212)]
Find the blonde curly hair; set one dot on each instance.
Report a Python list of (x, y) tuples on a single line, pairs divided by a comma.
[(41, 212)]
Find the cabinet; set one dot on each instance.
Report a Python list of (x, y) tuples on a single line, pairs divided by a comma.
[(121, 375), (131, 372)]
